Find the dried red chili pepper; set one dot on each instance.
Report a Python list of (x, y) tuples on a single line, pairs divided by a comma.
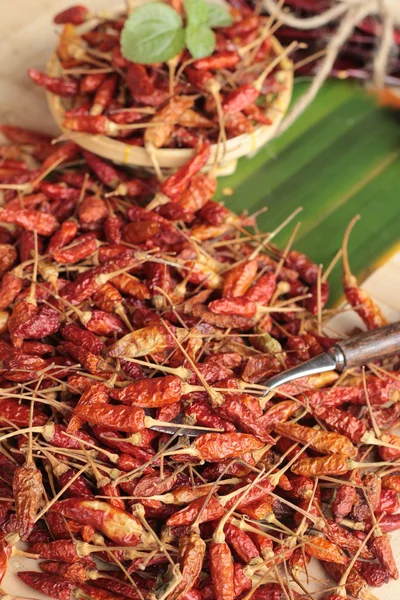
[(321, 441), (221, 567), (31, 220), (219, 60), (27, 491), (95, 124), (343, 503), (177, 183), (381, 547), (121, 527), (238, 280), (104, 94), (97, 393), (324, 550), (341, 422), (346, 540), (56, 85), (75, 15), (335, 464), (358, 298), (50, 585)]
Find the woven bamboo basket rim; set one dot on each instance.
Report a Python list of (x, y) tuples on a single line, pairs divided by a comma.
[(172, 158)]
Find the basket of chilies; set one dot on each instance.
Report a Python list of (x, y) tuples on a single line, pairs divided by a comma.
[(153, 114)]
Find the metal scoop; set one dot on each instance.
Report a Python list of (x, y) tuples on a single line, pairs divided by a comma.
[(354, 352)]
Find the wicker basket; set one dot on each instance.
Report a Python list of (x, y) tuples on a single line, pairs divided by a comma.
[(170, 159)]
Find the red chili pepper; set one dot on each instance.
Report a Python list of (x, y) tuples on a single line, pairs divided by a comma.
[(200, 79), (143, 341), (20, 135), (219, 60), (381, 547), (50, 585), (221, 568), (27, 491), (22, 312), (241, 543), (56, 85), (240, 98), (97, 393), (90, 361), (92, 210), (200, 189), (176, 184), (75, 15), (83, 338), (257, 114), (8, 256), (123, 418), (214, 447), (346, 539), (121, 527), (342, 422), (373, 574), (321, 441), (342, 505), (95, 124), (204, 416), (238, 280), (236, 411), (60, 550), (104, 94), (137, 79), (335, 464), (78, 572), (81, 247), (18, 414), (358, 298), (44, 323), (31, 220), (103, 170), (151, 393), (112, 229), (90, 83), (233, 306), (63, 236)]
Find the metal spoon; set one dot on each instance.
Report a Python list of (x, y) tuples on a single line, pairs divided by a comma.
[(354, 352)]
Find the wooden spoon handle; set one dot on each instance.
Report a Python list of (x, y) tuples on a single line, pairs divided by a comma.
[(367, 347)]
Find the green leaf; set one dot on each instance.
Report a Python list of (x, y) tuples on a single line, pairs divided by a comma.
[(152, 33), (200, 41), (196, 12), (218, 15), (339, 159)]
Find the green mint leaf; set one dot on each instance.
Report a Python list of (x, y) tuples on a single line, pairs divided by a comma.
[(218, 15), (153, 33), (196, 12), (200, 41)]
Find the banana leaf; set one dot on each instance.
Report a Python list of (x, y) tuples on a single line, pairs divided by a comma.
[(339, 159)]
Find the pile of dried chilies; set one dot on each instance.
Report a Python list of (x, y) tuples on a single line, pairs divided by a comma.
[(217, 97), (125, 303)]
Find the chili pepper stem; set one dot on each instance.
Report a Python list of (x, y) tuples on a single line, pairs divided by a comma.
[(151, 150), (349, 279), (262, 245), (260, 80), (331, 266), (369, 438), (21, 432)]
